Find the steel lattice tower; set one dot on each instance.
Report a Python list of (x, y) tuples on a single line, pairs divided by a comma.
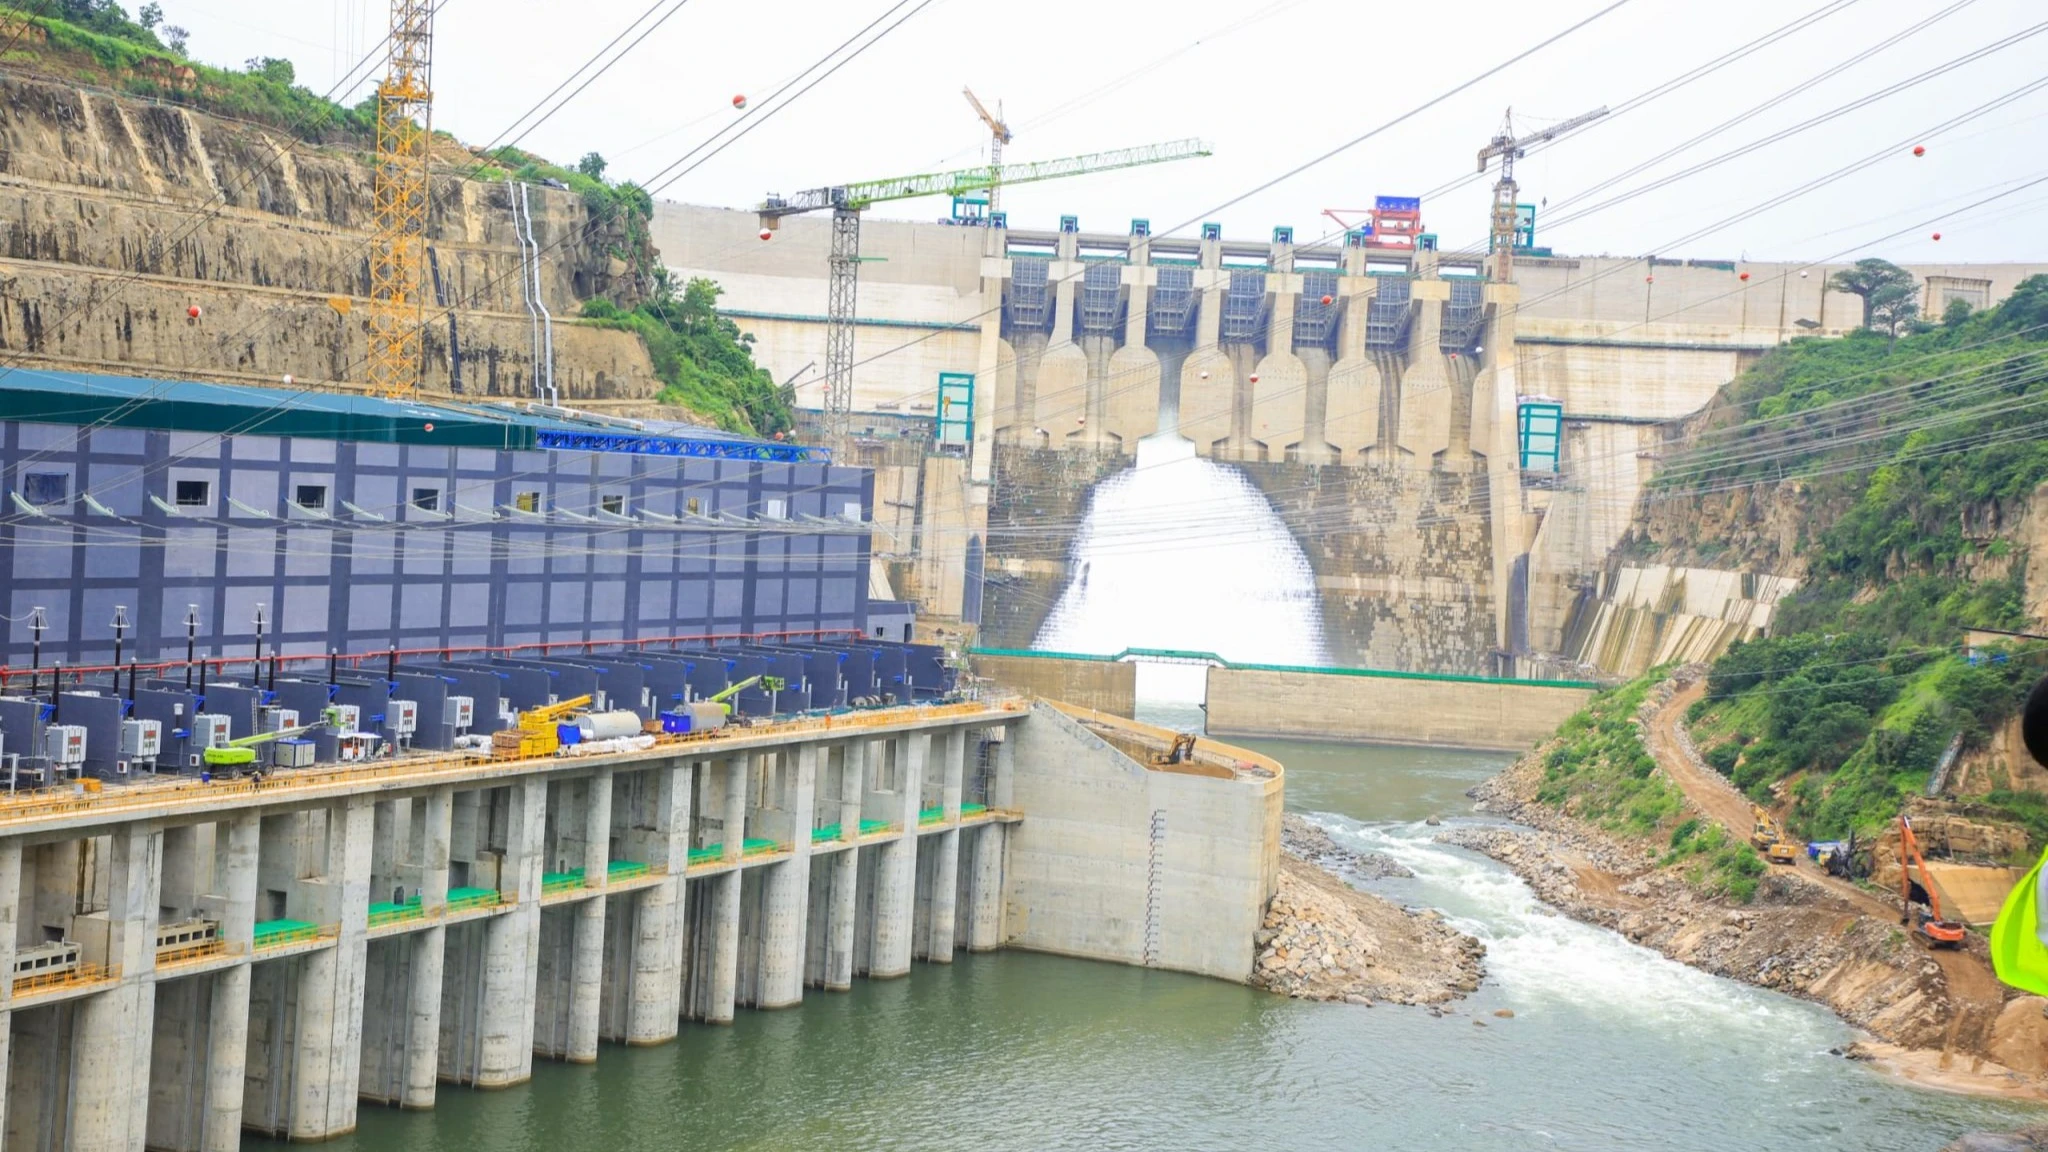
[(839, 310), (405, 103)]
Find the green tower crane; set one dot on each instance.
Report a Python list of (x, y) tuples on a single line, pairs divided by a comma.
[(848, 200)]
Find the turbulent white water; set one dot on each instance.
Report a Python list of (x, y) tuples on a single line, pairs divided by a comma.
[(1538, 957), (1180, 552)]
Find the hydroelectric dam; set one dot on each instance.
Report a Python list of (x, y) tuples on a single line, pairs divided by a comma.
[(1455, 458)]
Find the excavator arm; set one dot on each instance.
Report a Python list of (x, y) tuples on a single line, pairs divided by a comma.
[(1938, 930)]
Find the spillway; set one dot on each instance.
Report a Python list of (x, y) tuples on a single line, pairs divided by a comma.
[(1184, 553)]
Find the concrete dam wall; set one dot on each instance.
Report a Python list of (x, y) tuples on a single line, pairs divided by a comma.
[(189, 962), (1373, 395)]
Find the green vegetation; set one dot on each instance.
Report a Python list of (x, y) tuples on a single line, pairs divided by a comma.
[(1599, 771), (1909, 455), (705, 362), (1719, 863), (96, 41)]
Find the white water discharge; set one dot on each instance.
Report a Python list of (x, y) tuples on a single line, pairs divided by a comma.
[(1184, 553), (1539, 958)]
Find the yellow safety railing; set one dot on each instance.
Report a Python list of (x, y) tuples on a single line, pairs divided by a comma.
[(189, 952), (70, 977), (467, 901), (146, 795)]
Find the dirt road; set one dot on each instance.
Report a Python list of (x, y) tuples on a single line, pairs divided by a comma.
[(1971, 983)]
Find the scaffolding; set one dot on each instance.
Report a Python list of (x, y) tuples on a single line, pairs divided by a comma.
[(399, 197)]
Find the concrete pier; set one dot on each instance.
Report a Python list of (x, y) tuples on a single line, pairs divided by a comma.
[(264, 960)]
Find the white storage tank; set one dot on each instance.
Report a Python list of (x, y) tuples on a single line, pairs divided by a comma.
[(609, 725)]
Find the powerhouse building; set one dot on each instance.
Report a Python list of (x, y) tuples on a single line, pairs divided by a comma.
[(145, 516)]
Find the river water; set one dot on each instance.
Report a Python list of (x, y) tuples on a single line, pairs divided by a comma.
[(1610, 1047)]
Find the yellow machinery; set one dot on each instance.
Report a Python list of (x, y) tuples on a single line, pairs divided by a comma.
[(536, 734), (1182, 752), (1766, 838)]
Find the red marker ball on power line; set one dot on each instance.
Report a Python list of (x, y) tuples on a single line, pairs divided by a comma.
[(766, 234), (1937, 235), (1255, 377), (739, 101), (429, 427), (1744, 276), (193, 312), (1327, 300), (1919, 149)]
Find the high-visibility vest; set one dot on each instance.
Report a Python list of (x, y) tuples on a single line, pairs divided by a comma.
[(2017, 951)]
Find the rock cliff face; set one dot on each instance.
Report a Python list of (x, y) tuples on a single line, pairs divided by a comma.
[(117, 216)]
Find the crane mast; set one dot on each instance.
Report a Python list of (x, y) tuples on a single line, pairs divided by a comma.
[(405, 102), (1509, 147), (999, 135), (846, 201)]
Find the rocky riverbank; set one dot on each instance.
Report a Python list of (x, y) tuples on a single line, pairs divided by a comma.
[(1325, 940), (1942, 1018)]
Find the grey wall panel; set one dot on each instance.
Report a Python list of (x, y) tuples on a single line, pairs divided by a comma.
[(410, 580)]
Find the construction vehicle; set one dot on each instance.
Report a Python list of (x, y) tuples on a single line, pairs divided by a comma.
[(1844, 859), (1182, 752), (537, 733), (1765, 837), (1933, 930), (241, 753)]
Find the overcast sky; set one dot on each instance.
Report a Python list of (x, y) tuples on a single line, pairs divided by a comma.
[(1270, 84)]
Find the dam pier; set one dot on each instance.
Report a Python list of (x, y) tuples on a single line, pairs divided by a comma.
[(225, 957)]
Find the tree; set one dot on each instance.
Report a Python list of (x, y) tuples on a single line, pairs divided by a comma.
[(1891, 308), (1870, 277), (1957, 311), (150, 16), (592, 165), (273, 68), (175, 38)]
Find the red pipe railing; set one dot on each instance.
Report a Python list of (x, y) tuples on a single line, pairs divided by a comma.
[(218, 665)]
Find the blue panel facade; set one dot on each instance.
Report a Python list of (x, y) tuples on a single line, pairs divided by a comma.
[(365, 546)]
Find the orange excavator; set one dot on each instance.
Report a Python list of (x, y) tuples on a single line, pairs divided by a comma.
[(1935, 931)]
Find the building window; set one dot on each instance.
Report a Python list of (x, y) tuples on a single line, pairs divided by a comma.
[(311, 496), (778, 509), (527, 501), (616, 505), (427, 499), (192, 494), (46, 488), (850, 510)]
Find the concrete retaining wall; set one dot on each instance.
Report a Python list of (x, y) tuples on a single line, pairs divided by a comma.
[(1102, 685), (1388, 708), (1138, 865)]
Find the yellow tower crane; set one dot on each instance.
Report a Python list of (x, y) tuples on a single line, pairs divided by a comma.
[(998, 135), (405, 104), (1506, 216)]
